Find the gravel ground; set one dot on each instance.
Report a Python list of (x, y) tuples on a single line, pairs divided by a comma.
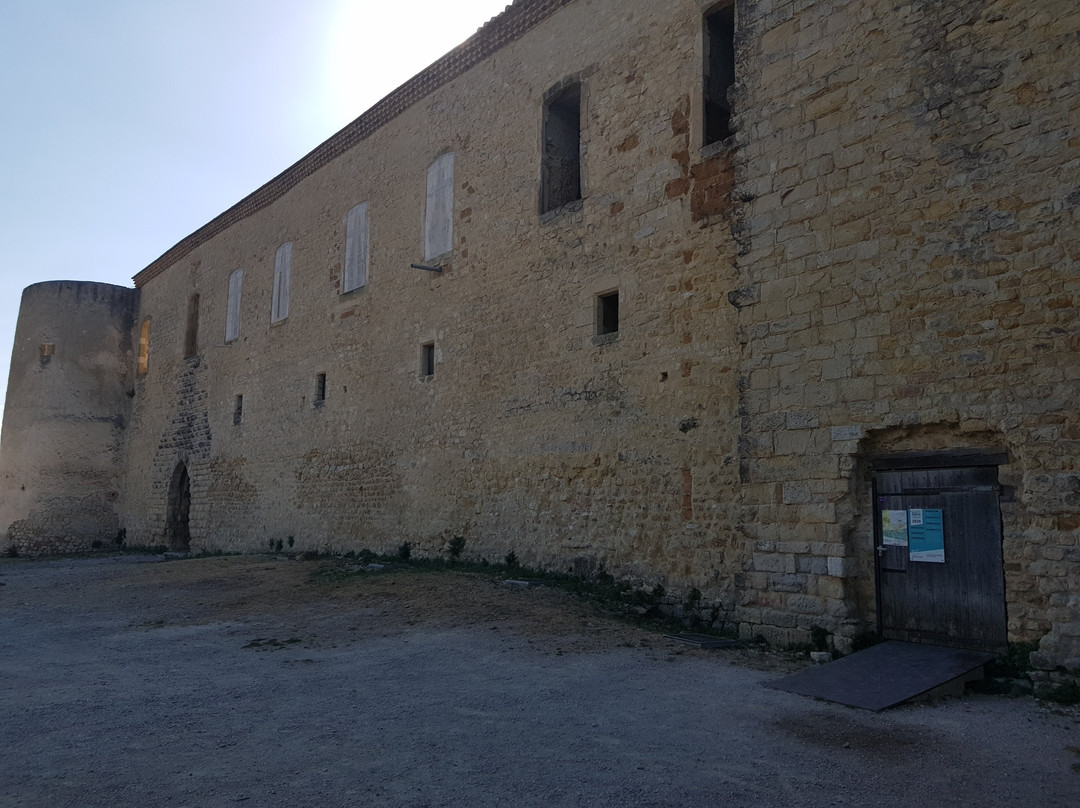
[(248, 681)]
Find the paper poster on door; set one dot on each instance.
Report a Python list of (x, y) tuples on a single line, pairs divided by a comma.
[(926, 535), (894, 529)]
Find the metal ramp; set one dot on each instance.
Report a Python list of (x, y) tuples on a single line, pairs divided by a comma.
[(888, 674)]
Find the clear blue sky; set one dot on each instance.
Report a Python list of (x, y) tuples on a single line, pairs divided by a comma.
[(128, 124)]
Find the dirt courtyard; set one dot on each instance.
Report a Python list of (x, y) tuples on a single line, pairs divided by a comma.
[(252, 681)]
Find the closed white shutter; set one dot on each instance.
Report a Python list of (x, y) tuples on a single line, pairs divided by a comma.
[(279, 309), (357, 248), (232, 317), (439, 215)]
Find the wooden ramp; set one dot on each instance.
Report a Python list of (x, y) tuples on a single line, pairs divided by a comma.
[(886, 675)]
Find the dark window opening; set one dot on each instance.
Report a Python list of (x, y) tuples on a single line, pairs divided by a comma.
[(560, 180), (607, 313), (191, 336), (238, 411), (427, 359), (320, 389), (719, 72)]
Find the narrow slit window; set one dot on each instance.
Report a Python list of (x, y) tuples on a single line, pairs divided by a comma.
[(439, 211), (607, 314), (238, 411), (357, 248), (279, 308), (320, 389), (232, 317), (427, 359), (144, 347), (719, 72), (560, 180), (191, 336)]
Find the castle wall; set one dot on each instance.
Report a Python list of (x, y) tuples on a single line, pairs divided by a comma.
[(909, 282), (68, 402), (882, 259), (534, 435)]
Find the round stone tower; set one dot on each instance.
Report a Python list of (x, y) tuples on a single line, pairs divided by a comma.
[(68, 402)]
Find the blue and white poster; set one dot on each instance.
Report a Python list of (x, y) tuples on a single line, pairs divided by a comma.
[(926, 535)]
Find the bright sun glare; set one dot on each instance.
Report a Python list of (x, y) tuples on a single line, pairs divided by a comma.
[(371, 48)]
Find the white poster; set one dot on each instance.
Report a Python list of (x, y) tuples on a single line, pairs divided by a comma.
[(894, 528)]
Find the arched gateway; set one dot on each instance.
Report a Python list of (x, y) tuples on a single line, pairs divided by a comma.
[(177, 530)]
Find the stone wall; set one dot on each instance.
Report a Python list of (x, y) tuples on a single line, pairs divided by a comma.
[(534, 435), (68, 403), (882, 258), (908, 281)]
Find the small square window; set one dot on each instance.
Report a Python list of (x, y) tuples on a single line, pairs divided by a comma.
[(320, 389), (238, 411), (607, 313), (427, 359)]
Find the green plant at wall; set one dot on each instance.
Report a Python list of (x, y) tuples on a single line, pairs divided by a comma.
[(1014, 663)]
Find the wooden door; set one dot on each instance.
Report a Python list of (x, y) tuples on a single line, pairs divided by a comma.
[(939, 565)]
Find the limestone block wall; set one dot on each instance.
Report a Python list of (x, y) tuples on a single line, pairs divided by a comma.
[(535, 434), (908, 280), (883, 257), (68, 403)]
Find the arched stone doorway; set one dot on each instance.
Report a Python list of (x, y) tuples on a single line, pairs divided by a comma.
[(177, 529)]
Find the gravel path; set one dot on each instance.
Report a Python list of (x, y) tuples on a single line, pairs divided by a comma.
[(242, 681)]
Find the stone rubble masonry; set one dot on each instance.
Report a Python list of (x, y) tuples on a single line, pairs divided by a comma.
[(533, 435), (910, 243), (882, 258)]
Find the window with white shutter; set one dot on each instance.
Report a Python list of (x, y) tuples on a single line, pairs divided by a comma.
[(232, 317), (279, 308), (439, 214), (357, 248)]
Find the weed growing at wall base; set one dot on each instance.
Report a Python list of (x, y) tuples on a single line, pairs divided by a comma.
[(649, 609)]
